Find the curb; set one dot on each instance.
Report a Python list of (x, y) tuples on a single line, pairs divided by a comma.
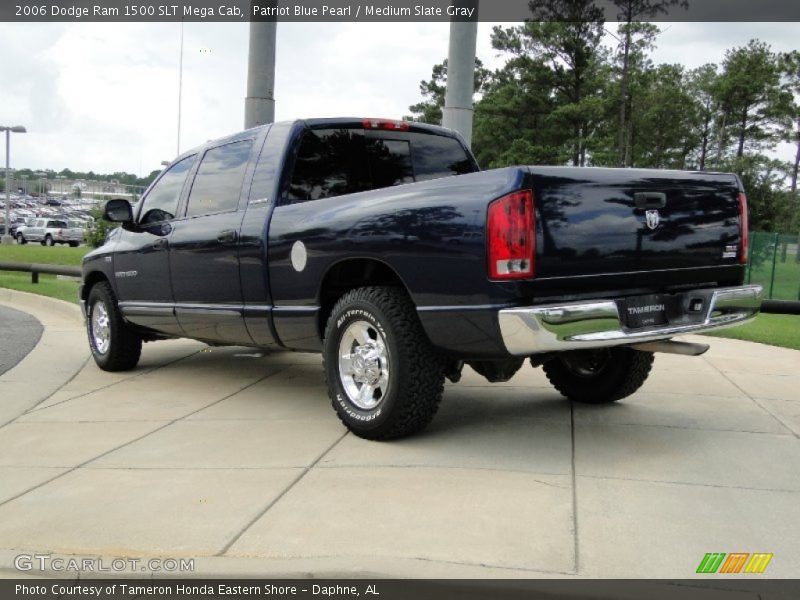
[(63, 309)]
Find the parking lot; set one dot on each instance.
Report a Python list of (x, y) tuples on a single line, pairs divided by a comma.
[(236, 459)]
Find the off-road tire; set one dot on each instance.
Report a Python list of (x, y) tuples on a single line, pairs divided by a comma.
[(416, 381), (624, 372), (125, 345)]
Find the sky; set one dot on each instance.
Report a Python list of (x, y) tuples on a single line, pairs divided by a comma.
[(104, 97)]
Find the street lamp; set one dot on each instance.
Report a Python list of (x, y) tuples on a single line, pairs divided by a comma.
[(7, 239)]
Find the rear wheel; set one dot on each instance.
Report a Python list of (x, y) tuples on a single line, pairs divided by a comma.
[(599, 376), (73, 244), (48, 241), (384, 378), (114, 345), (21, 239)]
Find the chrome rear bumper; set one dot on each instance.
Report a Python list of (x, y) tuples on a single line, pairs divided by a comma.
[(596, 324)]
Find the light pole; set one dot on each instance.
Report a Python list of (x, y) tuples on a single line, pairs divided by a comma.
[(457, 113), (180, 91), (7, 239), (39, 175), (259, 105)]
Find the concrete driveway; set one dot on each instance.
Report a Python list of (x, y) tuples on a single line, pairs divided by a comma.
[(237, 460)]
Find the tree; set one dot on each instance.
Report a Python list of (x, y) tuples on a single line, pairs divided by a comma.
[(98, 233), (433, 93), (631, 11), (770, 206), (755, 107), (514, 121), (619, 128), (565, 34), (701, 85), (791, 71), (662, 134)]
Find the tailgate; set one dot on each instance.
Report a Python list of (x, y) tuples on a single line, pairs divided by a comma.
[(593, 221)]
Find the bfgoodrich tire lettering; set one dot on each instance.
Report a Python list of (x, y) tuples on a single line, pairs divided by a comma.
[(114, 346), (406, 372), (599, 376)]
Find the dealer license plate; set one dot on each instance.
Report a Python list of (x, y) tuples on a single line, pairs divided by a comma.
[(644, 311)]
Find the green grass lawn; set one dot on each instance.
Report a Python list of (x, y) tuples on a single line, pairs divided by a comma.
[(35, 253), (48, 285), (775, 330)]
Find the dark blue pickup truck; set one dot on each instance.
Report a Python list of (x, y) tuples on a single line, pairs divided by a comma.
[(382, 245)]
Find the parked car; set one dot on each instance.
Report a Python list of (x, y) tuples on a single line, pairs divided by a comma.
[(264, 239), (50, 232)]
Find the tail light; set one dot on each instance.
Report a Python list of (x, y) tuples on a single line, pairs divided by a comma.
[(743, 226), (509, 236), (385, 124)]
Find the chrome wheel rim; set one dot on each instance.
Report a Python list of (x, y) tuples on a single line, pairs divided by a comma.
[(364, 365), (101, 330)]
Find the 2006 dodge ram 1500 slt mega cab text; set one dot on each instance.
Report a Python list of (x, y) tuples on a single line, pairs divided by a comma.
[(382, 245)]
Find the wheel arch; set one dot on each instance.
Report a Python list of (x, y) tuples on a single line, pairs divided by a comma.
[(92, 279), (349, 274)]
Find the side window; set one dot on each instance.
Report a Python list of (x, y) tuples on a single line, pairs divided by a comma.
[(438, 156), (162, 201), (218, 183), (389, 162), (329, 162)]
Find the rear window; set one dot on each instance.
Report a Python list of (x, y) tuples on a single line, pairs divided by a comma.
[(438, 156), (329, 162), (389, 162), (334, 162), (61, 224)]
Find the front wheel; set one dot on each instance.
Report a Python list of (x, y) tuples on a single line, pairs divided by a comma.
[(115, 347), (384, 378), (599, 376)]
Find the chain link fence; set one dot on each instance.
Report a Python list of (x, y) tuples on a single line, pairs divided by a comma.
[(775, 264)]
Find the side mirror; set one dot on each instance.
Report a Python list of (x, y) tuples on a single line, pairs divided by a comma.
[(118, 211)]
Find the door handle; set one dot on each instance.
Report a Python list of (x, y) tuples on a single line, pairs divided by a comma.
[(650, 200), (228, 236), (161, 243)]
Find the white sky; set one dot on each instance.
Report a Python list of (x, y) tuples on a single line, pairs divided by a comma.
[(104, 97)]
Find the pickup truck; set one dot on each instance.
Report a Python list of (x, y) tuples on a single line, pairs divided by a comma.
[(49, 232), (382, 245)]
